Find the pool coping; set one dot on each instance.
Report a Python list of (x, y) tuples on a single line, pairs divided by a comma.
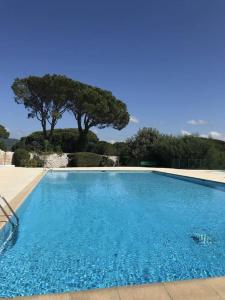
[(18, 200), (206, 182), (194, 174), (209, 288), (209, 175), (196, 289)]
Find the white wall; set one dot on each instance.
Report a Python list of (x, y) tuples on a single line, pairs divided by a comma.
[(6, 157)]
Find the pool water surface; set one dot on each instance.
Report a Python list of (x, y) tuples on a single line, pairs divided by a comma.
[(86, 230)]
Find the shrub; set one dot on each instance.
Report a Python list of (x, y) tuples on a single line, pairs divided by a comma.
[(21, 158), (88, 159), (106, 162), (63, 140), (186, 152), (2, 146), (35, 162), (103, 148), (4, 132)]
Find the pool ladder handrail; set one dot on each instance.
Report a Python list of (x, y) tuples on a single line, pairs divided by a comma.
[(12, 212)]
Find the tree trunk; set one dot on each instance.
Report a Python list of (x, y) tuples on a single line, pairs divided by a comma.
[(82, 141), (43, 123), (52, 130)]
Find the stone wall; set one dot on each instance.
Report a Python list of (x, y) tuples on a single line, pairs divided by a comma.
[(115, 159), (55, 160), (50, 161), (6, 158)]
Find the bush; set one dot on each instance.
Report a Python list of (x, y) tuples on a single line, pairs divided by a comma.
[(186, 152), (21, 158), (4, 132), (63, 140), (35, 162), (106, 162), (2, 146), (88, 159), (102, 147)]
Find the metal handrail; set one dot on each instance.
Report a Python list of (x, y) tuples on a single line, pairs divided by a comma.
[(11, 210)]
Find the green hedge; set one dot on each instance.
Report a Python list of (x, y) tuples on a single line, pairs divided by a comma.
[(88, 159), (21, 158), (63, 140), (35, 162), (2, 146)]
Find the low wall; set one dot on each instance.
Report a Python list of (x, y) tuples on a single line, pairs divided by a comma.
[(55, 160), (50, 160), (6, 157)]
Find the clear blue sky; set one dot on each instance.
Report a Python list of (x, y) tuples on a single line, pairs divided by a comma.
[(165, 59)]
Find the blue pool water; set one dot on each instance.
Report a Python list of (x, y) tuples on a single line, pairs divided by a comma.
[(81, 231)]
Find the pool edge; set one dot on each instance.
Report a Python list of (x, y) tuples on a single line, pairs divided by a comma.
[(209, 288), (202, 181), (19, 199)]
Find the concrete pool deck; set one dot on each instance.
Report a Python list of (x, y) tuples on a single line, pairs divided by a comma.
[(17, 183), (15, 186), (203, 289)]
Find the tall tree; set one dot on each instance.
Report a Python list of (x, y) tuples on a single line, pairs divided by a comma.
[(141, 144), (4, 132), (45, 98), (93, 106)]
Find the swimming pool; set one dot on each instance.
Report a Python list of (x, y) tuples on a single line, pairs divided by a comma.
[(85, 230)]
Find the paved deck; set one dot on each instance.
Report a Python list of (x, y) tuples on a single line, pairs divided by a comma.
[(16, 184), (213, 175)]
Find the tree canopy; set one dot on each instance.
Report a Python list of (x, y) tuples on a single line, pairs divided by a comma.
[(92, 106), (173, 151), (4, 132), (45, 98), (142, 142), (2, 146), (63, 140)]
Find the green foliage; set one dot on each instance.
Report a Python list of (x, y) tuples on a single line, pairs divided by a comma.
[(88, 159), (63, 140), (4, 132), (123, 151), (35, 162), (103, 148), (2, 146), (106, 162), (137, 148), (93, 106), (45, 98), (143, 142), (171, 151), (9, 143), (21, 158)]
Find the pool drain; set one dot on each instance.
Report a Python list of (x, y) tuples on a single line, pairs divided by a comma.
[(202, 239)]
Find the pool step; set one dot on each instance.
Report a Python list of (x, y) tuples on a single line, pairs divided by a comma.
[(8, 212), (11, 223)]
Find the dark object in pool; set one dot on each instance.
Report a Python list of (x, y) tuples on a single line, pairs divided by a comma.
[(202, 238)]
